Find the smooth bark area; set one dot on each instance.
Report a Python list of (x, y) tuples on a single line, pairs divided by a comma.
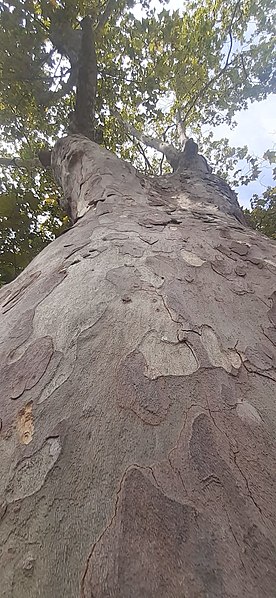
[(138, 394)]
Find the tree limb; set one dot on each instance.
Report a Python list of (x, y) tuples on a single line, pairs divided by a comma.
[(84, 112), (216, 77), (181, 130), (20, 163), (167, 149)]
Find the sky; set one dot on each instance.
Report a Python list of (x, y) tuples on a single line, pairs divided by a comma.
[(256, 127)]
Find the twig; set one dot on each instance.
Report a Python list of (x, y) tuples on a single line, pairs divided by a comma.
[(142, 151), (161, 165), (111, 4)]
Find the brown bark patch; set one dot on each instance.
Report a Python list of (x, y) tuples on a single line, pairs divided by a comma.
[(154, 546), (30, 473), (239, 248), (25, 423), (148, 399), (25, 372)]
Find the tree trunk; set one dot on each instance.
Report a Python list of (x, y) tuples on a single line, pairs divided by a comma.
[(138, 394)]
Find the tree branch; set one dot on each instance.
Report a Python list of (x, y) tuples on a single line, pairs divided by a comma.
[(111, 4), (20, 163), (216, 77), (147, 162), (167, 149), (181, 129), (84, 113)]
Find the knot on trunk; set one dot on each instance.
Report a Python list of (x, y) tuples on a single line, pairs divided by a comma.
[(190, 159)]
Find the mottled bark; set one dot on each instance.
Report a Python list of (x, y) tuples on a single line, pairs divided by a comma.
[(138, 394)]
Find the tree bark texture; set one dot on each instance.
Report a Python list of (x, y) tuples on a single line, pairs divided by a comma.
[(138, 394)]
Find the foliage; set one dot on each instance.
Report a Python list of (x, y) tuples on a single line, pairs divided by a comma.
[(203, 66), (263, 213), (28, 221)]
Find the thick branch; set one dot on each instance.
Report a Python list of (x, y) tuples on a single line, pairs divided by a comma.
[(83, 115), (20, 163), (42, 161)]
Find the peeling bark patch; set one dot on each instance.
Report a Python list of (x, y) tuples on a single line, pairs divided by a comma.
[(241, 288), (40, 289), (24, 373), (219, 357), (226, 251), (165, 266), (220, 266), (260, 357), (59, 370), (126, 279), (240, 270), (21, 288), (25, 423), (30, 474), (191, 258), (148, 399), (239, 248), (203, 449), (20, 332), (248, 413), (131, 248), (164, 358), (156, 220), (154, 546)]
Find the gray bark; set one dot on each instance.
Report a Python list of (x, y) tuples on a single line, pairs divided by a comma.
[(138, 394)]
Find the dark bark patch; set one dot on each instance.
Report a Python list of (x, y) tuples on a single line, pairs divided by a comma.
[(25, 372), (148, 399), (167, 267), (114, 235), (240, 270), (155, 220), (155, 546), (226, 251), (256, 261), (30, 473), (241, 288), (126, 280), (225, 233), (221, 267), (130, 248), (20, 332), (239, 248)]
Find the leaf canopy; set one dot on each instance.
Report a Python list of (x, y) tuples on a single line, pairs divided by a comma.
[(201, 67)]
